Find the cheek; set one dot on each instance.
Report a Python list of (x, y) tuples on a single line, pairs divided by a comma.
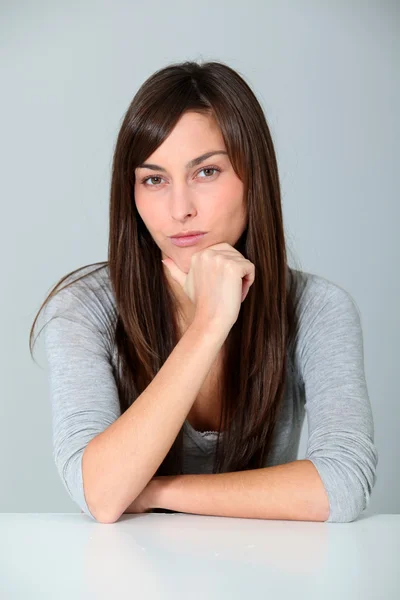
[(150, 217), (141, 207), (233, 205), (232, 198)]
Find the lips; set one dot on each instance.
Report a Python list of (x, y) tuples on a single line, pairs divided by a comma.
[(188, 234), (187, 240)]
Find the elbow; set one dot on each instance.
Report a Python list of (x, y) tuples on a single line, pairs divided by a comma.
[(98, 512), (348, 486), (348, 513), (105, 519), (95, 511), (92, 500), (358, 490), (72, 476)]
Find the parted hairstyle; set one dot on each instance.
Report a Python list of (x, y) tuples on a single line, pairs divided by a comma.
[(146, 331)]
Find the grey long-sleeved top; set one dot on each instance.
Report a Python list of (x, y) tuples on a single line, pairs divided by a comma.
[(325, 380)]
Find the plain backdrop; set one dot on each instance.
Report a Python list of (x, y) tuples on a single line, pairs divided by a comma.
[(327, 77)]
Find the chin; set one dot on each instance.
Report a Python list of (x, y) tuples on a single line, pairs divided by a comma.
[(185, 267)]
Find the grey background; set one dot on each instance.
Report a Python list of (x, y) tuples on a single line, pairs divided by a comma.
[(327, 76)]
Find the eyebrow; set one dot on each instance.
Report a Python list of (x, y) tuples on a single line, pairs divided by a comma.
[(189, 165)]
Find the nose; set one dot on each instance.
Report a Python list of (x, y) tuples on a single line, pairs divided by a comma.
[(181, 203)]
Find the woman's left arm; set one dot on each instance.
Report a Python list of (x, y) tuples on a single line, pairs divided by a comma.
[(335, 480), (340, 421)]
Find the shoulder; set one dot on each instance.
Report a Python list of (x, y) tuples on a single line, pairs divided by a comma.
[(328, 322), (317, 297), (89, 301)]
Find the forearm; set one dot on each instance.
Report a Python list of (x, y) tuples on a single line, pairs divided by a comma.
[(292, 491), (119, 462)]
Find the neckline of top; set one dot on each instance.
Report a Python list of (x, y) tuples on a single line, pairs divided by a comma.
[(202, 433)]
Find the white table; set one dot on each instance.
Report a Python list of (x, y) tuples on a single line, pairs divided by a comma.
[(163, 556)]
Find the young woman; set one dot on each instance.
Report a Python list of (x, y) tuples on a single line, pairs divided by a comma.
[(205, 363)]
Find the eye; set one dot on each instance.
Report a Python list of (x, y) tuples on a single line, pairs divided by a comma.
[(209, 169), (149, 178), (146, 179)]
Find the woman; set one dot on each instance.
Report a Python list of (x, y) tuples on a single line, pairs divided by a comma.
[(205, 363)]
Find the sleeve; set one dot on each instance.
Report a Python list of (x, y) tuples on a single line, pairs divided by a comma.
[(340, 422), (83, 391)]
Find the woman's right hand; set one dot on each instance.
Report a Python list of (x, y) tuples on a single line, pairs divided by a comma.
[(217, 283)]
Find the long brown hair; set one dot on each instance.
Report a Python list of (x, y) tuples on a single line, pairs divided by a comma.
[(146, 331)]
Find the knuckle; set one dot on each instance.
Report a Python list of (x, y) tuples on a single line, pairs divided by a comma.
[(206, 253), (220, 259)]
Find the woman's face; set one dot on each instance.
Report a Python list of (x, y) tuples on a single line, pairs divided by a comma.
[(177, 197)]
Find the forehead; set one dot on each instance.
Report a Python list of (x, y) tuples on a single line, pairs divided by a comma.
[(195, 138)]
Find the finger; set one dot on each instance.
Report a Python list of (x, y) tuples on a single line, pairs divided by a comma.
[(175, 271), (246, 286)]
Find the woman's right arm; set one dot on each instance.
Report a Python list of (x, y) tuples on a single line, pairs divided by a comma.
[(119, 462), (106, 459)]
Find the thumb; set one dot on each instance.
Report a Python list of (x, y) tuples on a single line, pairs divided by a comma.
[(176, 274)]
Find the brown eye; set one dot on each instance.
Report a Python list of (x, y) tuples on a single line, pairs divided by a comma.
[(209, 169), (144, 181)]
